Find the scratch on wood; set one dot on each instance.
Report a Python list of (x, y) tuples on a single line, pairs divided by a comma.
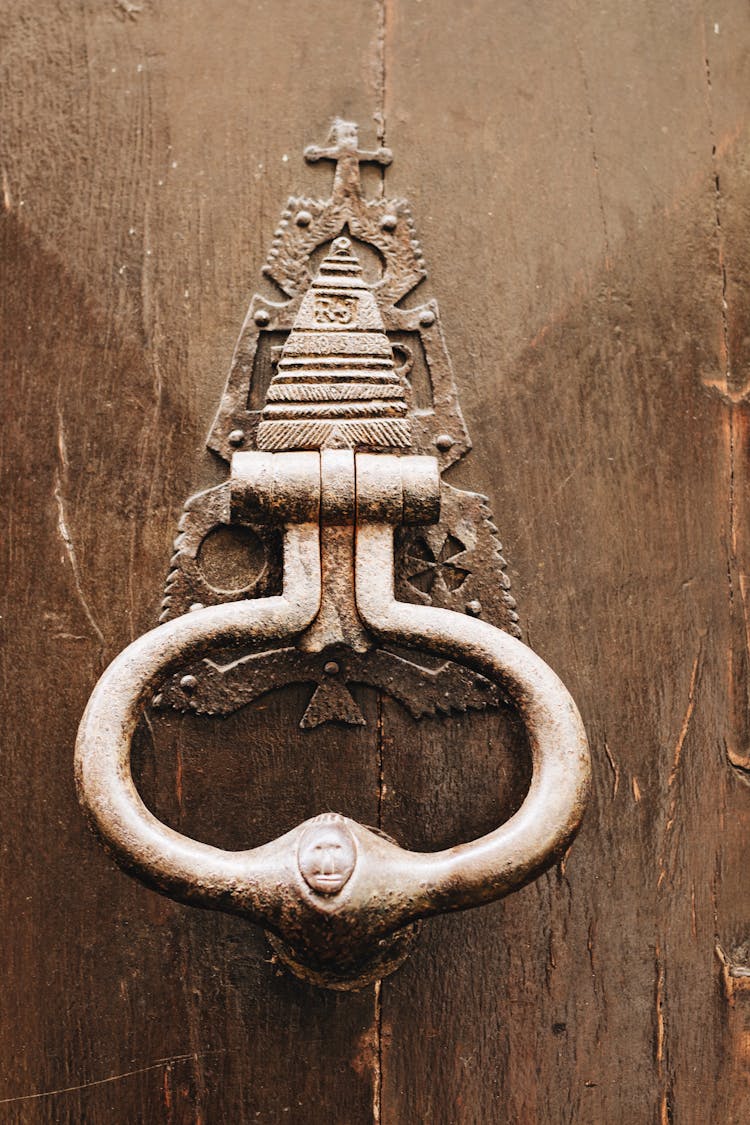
[(158, 1065), (594, 153), (659, 1006), (686, 719), (167, 1090), (615, 769), (636, 789), (590, 943), (377, 1084), (7, 199), (671, 814), (660, 1000), (64, 530), (127, 9)]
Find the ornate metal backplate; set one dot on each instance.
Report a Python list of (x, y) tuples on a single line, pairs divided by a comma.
[(381, 379)]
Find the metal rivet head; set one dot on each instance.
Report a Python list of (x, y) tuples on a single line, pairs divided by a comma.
[(236, 437), (261, 317), (389, 222), (474, 608), (188, 683), (444, 442), (303, 219), (331, 668), (427, 318)]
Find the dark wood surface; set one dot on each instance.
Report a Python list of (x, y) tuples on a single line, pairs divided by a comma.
[(580, 181)]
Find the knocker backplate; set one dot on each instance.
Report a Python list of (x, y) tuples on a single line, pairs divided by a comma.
[(455, 564)]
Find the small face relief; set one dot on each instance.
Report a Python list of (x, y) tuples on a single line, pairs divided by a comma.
[(326, 856)]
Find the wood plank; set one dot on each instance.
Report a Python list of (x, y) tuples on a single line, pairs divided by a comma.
[(565, 197), (148, 151)]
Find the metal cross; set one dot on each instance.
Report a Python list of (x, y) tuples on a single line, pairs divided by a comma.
[(343, 148)]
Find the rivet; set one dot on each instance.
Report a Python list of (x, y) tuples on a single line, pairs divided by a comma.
[(195, 606), (389, 222), (444, 442), (474, 608), (303, 219), (236, 437), (331, 668), (261, 317), (188, 683), (427, 318)]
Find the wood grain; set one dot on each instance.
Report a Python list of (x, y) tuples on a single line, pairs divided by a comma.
[(580, 181)]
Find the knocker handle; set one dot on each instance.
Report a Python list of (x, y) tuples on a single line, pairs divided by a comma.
[(337, 894)]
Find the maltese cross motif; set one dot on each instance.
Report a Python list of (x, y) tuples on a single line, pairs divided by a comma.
[(436, 572)]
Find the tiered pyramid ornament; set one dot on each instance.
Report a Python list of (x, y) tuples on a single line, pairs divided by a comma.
[(326, 354), (336, 385)]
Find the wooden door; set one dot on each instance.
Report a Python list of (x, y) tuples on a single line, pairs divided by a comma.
[(579, 178)]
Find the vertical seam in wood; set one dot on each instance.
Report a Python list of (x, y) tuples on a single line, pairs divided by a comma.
[(720, 241), (382, 74), (594, 153), (377, 1078), (382, 77), (377, 1084)]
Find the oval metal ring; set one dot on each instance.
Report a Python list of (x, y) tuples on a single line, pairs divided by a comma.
[(341, 935)]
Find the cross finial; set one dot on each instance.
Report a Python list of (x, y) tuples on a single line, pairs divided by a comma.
[(343, 148)]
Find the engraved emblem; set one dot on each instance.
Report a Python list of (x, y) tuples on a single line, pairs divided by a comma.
[(334, 309), (341, 363)]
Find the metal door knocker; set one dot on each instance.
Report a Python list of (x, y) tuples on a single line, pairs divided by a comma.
[(335, 479)]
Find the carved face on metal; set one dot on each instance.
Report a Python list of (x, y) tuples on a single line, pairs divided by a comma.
[(326, 855)]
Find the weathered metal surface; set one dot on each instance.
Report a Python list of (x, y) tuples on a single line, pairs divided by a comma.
[(336, 895), (334, 383), (438, 687), (342, 921)]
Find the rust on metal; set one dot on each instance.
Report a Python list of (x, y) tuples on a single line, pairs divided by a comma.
[(360, 550)]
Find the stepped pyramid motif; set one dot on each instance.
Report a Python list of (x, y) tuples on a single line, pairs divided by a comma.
[(336, 385)]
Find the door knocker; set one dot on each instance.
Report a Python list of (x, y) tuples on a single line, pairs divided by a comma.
[(335, 471)]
